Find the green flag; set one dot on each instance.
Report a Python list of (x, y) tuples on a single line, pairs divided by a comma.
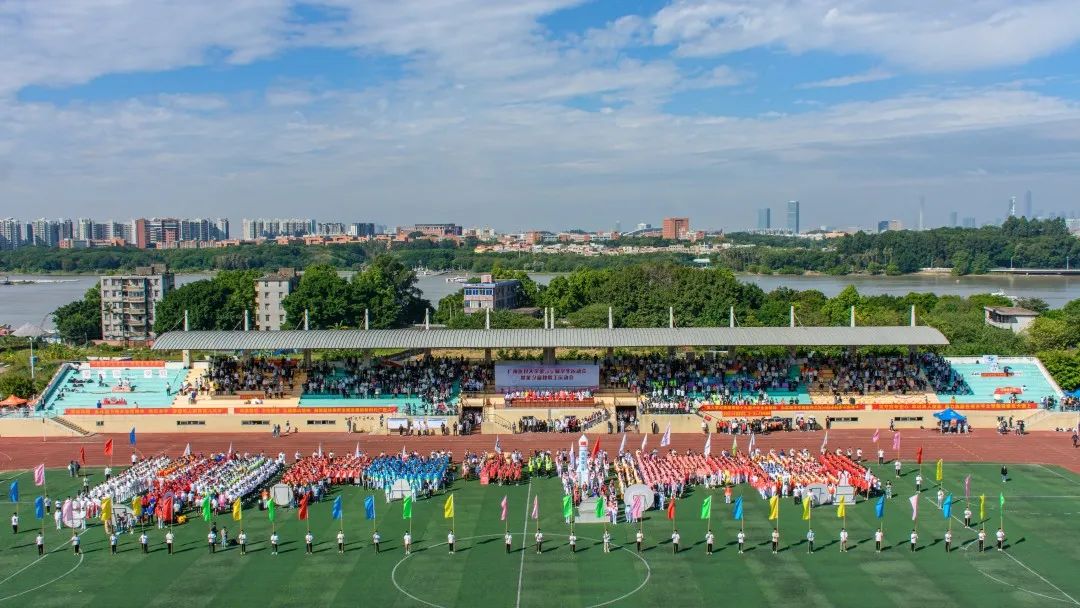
[(406, 508), (706, 508), (207, 512), (1001, 501), (567, 507), (600, 508), (270, 509)]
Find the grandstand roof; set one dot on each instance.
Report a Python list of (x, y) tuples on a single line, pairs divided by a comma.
[(919, 335)]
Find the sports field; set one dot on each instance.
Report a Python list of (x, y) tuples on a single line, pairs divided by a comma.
[(1038, 568)]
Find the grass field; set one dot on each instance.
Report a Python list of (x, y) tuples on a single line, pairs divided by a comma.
[(1041, 518)]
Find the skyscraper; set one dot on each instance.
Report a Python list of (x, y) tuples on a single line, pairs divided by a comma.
[(764, 219), (922, 211), (793, 216), (1012, 206), (952, 219), (1027, 206)]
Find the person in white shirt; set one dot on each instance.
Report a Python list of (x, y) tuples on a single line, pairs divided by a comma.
[(450, 541), (675, 542), (740, 538), (896, 467), (810, 540), (407, 543), (341, 541), (211, 538), (948, 541), (640, 538), (539, 536), (112, 543), (914, 539), (573, 542), (75, 542), (1000, 539), (982, 539), (881, 456), (143, 542), (375, 540), (274, 543), (967, 517), (843, 540), (775, 540), (308, 540), (940, 497), (879, 536), (709, 538), (169, 541), (607, 541), (508, 539), (241, 539), (40, 542), (108, 473), (918, 482), (14, 523), (58, 517), (134, 457)]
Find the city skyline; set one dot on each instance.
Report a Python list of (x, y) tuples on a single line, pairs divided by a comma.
[(565, 112)]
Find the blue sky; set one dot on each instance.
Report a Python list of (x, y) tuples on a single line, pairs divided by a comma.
[(538, 113)]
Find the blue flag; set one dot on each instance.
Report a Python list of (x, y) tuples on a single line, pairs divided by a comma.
[(946, 507), (39, 507), (738, 508), (879, 508), (369, 508), (335, 511), (13, 491), (131, 436)]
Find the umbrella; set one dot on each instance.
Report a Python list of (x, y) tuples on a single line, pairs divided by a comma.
[(13, 401)]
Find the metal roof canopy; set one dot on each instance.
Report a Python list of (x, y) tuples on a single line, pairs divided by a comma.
[(904, 335)]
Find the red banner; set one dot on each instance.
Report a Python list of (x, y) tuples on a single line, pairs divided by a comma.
[(956, 406), (315, 410), (146, 411), (110, 363), (552, 404)]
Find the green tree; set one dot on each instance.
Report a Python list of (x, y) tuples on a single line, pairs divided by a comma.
[(327, 298), (80, 321), (18, 384)]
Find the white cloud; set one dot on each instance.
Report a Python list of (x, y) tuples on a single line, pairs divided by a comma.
[(872, 75), (925, 35)]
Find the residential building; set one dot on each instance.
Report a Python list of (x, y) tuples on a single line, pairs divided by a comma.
[(10, 234), (270, 293), (362, 229), (793, 217), (952, 219), (676, 228), (764, 219), (887, 225), (490, 294), (129, 302), (1009, 317)]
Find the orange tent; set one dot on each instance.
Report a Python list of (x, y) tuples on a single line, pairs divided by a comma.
[(1008, 390), (13, 401)]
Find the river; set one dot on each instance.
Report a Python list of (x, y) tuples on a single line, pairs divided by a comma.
[(33, 303)]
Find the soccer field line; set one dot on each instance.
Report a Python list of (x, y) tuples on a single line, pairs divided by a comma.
[(61, 547), (1012, 557), (524, 539), (45, 584), (1055, 473)]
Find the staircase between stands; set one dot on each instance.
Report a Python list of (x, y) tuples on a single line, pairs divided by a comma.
[(69, 425)]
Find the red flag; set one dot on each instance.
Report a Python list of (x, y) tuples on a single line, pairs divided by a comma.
[(595, 449), (671, 510), (302, 512), (918, 456), (82, 456), (108, 448), (165, 509)]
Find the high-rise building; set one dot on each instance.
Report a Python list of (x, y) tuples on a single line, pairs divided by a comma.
[(1028, 211), (129, 302), (10, 233), (270, 293), (221, 227), (793, 216), (764, 218), (922, 212), (676, 228), (969, 222), (952, 219), (887, 225), (1012, 206), (84, 229), (362, 229)]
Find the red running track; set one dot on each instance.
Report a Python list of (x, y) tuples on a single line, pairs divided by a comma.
[(1042, 447)]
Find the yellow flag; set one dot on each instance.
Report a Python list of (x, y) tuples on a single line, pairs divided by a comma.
[(136, 506), (841, 509), (237, 512), (774, 508), (806, 507), (448, 507), (938, 474), (982, 506), (106, 509)]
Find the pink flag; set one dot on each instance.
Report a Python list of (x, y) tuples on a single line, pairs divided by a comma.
[(39, 475), (503, 516), (877, 433), (914, 507), (639, 506), (67, 512), (825, 442), (896, 440), (536, 507), (967, 487)]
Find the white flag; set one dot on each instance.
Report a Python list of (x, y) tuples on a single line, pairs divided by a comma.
[(320, 449), (230, 448), (187, 450), (914, 507), (708, 445), (750, 450), (825, 441), (357, 452), (622, 444), (498, 446), (666, 439), (644, 440)]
